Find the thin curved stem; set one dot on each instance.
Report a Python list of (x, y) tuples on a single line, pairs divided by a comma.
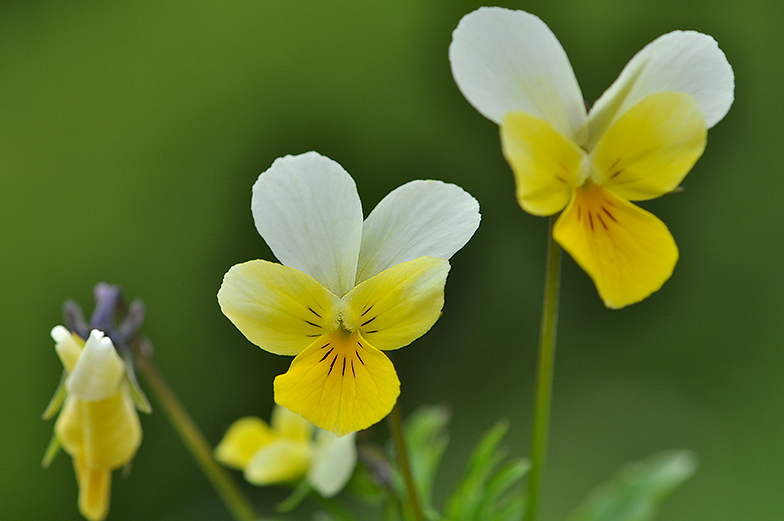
[(196, 443), (544, 378), (396, 426)]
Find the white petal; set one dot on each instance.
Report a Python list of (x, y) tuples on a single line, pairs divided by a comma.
[(99, 371), (67, 348), (307, 209), (506, 61), (333, 462), (420, 218), (680, 61)]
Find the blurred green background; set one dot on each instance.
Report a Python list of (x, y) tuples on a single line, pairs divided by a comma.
[(131, 134)]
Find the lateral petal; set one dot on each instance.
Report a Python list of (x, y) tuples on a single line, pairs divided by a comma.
[(546, 164), (242, 440), (628, 252), (680, 61), (278, 308), (398, 305), (280, 461), (505, 61), (307, 209), (652, 146), (340, 383), (420, 218)]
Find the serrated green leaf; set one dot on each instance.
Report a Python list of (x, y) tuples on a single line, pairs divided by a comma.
[(636, 490), (499, 484), (468, 496)]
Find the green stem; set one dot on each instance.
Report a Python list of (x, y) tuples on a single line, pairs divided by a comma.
[(544, 378), (396, 426), (196, 443), (333, 506)]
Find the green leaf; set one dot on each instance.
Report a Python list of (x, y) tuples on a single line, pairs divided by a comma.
[(636, 490), (469, 497), (501, 483), (427, 439)]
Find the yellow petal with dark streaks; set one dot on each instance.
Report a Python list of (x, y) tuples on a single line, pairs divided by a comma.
[(340, 383), (628, 252)]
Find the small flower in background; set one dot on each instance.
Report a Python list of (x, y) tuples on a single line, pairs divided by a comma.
[(285, 452), (346, 289), (98, 425), (638, 141)]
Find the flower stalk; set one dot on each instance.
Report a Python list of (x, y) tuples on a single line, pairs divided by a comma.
[(545, 369), (196, 443), (396, 427)]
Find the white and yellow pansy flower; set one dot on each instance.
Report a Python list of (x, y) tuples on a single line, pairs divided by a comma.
[(285, 452), (98, 424), (347, 289), (638, 142)]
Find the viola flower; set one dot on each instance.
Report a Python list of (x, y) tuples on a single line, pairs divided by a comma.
[(98, 425), (638, 142), (285, 452), (346, 290)]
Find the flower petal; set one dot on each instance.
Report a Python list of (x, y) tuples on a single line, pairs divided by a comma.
[(680, 61), (242, 440), (94, 492), (333, 463), (546, 164), (106, 433), (280, 309), (307, 209), (398, 305), (99, 370), (420, 218), (650, 149), (280, 461), (628, 252), (505, 61), (68, 346), (340, 383), (291, 425)]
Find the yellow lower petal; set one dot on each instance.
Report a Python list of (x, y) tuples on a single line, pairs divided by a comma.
[(242, 440), (94, 491), (340, 383), (649, 150), (546, 164), (628, 252)]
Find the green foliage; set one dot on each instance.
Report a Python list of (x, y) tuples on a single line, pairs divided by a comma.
[(637, 489), (483, 494)]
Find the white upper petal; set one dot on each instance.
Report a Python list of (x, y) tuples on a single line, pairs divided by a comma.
[(680, 61), (506, 61), (420, 218), (333, 462), (307, 209), (98, 372)]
